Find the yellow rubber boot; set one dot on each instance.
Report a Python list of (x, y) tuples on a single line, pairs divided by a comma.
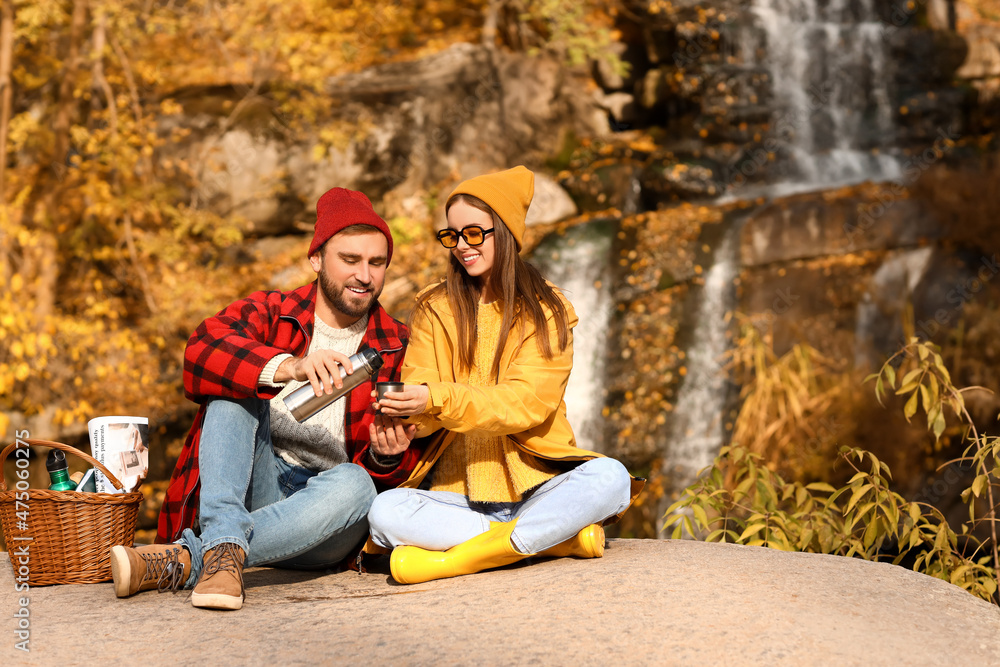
[(588, 543), (413, 565)]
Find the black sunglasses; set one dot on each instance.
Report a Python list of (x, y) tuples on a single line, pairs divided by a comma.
[(473, 234)]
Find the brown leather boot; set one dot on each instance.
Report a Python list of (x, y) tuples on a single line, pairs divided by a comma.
[(159, 566), (220, 585), (588, 543)]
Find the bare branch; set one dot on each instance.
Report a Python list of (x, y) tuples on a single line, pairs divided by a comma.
[(100, 41), (6, 85), (126, 66), (129, 78), (139, 268)]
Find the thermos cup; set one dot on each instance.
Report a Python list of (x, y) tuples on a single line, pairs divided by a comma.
[(382, 388), (303, 403)]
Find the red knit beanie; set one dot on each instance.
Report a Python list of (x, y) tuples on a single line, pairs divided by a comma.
[(340, 208)]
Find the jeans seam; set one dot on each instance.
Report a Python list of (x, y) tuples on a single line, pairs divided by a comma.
[(518, 544), (253, 451), (422, 495), (319, 538), (243, 541), (298, 552)]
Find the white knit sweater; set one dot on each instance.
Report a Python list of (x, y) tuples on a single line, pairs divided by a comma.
[(317, 443)]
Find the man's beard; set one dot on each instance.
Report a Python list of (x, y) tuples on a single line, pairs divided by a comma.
[(334, 294)]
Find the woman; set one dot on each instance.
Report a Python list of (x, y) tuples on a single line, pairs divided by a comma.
[(486, 368)]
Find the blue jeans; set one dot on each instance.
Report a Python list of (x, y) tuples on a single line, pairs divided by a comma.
[(279, 514), (555, 512)]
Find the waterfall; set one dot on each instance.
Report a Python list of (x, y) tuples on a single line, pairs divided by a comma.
[(828, 69), (579, 263), (698, 430)]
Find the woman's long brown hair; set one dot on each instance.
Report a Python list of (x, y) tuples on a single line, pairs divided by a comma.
[(517, 285)]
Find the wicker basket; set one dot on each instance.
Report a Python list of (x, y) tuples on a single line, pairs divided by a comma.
[(69, 534)]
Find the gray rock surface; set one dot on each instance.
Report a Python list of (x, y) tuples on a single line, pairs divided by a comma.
[(550, 203), (805, 226), (645, 602), (392, 131)]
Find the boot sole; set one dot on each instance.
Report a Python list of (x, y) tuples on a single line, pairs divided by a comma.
[(588, 543), (486, 551), (395, 568), (216, 601), (121, 570), (404, 572), (594, 543)]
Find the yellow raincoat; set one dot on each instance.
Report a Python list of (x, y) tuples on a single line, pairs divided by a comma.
[(525, 405)]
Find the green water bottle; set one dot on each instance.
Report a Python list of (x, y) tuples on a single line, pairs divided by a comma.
[(58, 472)]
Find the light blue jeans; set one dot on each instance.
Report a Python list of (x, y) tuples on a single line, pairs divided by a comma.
[(555, 512), (279, 514)]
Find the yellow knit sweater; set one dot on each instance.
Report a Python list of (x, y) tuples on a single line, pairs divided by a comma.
[(481, 467)]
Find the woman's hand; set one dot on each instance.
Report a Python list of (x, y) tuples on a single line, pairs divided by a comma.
[(389, 436), (411, 401)]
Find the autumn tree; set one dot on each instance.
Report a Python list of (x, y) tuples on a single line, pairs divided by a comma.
[(110, 252), (579, 32)]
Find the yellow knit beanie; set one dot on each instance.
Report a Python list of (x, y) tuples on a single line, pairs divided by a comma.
[(507, 192)]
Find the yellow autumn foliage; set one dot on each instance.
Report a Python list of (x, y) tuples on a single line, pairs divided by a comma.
[(108, 255)]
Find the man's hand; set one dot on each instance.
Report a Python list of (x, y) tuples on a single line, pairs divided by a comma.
[(389, 436), (321, 369), (411, 401)]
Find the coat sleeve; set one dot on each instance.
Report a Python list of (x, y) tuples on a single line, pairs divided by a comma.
[(388, 477), (529, 394), (420, 365), (226, 353)]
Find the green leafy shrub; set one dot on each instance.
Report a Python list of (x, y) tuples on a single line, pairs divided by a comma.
[(740, 500)]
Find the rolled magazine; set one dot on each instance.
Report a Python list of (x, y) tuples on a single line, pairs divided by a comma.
[(121, 444)]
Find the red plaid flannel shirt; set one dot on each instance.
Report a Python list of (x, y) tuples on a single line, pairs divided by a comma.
[(224, 357)]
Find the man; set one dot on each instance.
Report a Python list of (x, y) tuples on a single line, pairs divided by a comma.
[(272, 490)]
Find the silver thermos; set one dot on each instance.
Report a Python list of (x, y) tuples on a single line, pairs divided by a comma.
[(303, 403)]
